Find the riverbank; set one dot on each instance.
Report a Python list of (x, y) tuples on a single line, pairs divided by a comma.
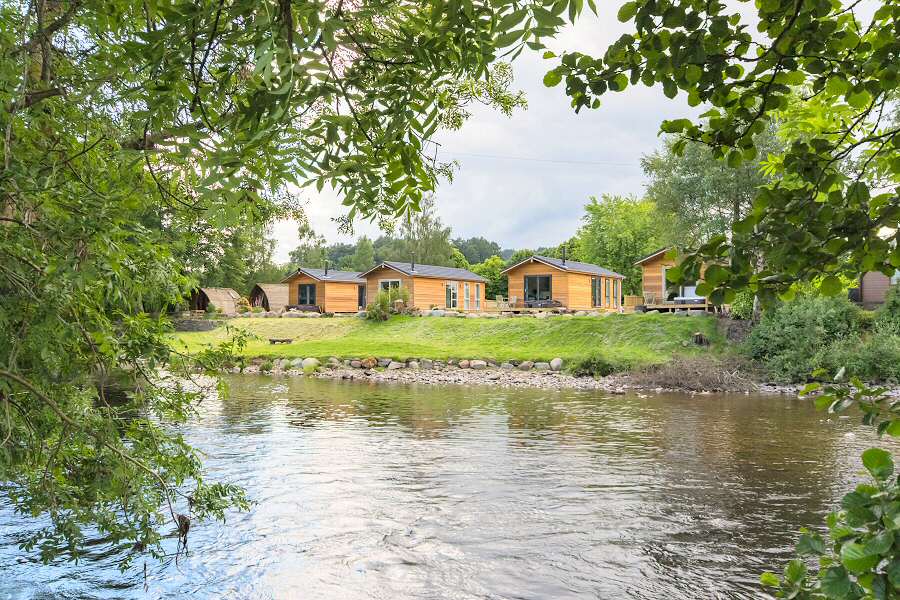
[(624, 341)]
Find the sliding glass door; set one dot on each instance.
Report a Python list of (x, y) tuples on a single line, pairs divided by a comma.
[(538, 287), (306, 293)]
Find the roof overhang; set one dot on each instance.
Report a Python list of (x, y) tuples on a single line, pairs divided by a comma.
[(533, 259), (652, 256), (383, 265)]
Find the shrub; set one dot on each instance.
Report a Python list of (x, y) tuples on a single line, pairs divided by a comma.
[(380, 309), (211, 309), (258, 309), (788, 338), (266, 366), (888, 315), (873, 359), (243, 305), (742, 305), (597, 365)]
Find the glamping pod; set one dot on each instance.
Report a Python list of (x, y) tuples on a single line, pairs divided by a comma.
[(225, 299), (270, 296)]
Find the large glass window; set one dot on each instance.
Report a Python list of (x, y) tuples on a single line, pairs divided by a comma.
[(595, 291), (616, 293), (386, 284), (452, 294), (477, 296), (608, 292), (537, 287), (466, 297), (306, 293)]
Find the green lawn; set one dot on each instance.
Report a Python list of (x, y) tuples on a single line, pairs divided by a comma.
[(634, 339)]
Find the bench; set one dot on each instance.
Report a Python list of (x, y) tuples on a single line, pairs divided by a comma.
[(280, 340)]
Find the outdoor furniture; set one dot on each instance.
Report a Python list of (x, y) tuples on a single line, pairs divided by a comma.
[(502, 304), (304, 307), (543, 304), (513, 300), (280, 340)]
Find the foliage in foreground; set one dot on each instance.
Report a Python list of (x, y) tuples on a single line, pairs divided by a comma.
[(861, 557)]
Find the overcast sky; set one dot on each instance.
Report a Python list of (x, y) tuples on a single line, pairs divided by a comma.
[(523, 180)]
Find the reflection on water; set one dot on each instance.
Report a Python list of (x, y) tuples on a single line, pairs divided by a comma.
[(424, 492)]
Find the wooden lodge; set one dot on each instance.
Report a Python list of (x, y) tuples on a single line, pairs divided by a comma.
[(542, 282), (658, 293), (326, 290), (270, 296), (429, 286)]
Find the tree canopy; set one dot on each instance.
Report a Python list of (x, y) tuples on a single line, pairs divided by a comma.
[(828, 75)]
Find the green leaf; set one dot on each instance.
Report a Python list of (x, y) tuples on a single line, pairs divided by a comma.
[(855, 558), (831, 286), (893, 429), (627, 11), (835, 582), (878, 462), (769, 579), (552, 78)]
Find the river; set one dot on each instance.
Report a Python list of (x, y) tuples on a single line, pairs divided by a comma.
[(397, 492)]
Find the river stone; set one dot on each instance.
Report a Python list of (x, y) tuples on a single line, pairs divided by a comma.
[(356, 364), (464, 364), (541, 366), (472, 315), (507, 366), (581, 313), (556, 364), (427, 363), (313, 315), (383, 362), (291, 315), (310, 363), (334, 362), (413, 364), (362, 314), (436, 312), (525, 365), (697, 313), (478, 365), (541, 315), (297, 363), (452, 361), (394, 365)]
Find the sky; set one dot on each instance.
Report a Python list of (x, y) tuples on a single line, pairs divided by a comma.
[(523, 180)]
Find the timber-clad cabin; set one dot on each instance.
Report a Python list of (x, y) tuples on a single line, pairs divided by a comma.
[(429, 286), (873, 288), (658, 293), (331, 291), (544, 282)]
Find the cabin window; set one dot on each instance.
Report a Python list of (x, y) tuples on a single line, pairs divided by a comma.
[(477, 296), (608, 293), (537, 287), (616, 293), (595, 291), (466, 298), (387, 284), (306, 293), (452, 290)]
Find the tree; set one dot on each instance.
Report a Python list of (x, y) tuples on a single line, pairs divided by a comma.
[(492, 270), (815, 67), (126, 140), (476, 249), (700, 196), (618, 231), (426, 238), (363, 257), (458, 259), (311, 252)]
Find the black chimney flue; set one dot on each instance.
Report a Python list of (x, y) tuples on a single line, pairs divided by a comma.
[(413, 263), (326, 268), (564, 254)]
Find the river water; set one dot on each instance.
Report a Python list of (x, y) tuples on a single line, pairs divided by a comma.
[(450, 492)]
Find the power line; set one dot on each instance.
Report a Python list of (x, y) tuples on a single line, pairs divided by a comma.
[(545, 160)]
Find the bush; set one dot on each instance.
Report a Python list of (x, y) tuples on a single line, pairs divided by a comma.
[(267, 366), (872, 359), (211, 309), (597, 365), (742, 305), (888, 315), (243, 305), (258, 309), (788, 339), (384, 305)]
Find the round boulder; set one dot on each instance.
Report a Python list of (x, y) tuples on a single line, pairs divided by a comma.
[(525, 365), (556, 364), (369, 362), (310, 363), (541, 366), (478, 365)]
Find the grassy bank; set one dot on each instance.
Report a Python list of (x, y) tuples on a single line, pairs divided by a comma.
[(635, 340)]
